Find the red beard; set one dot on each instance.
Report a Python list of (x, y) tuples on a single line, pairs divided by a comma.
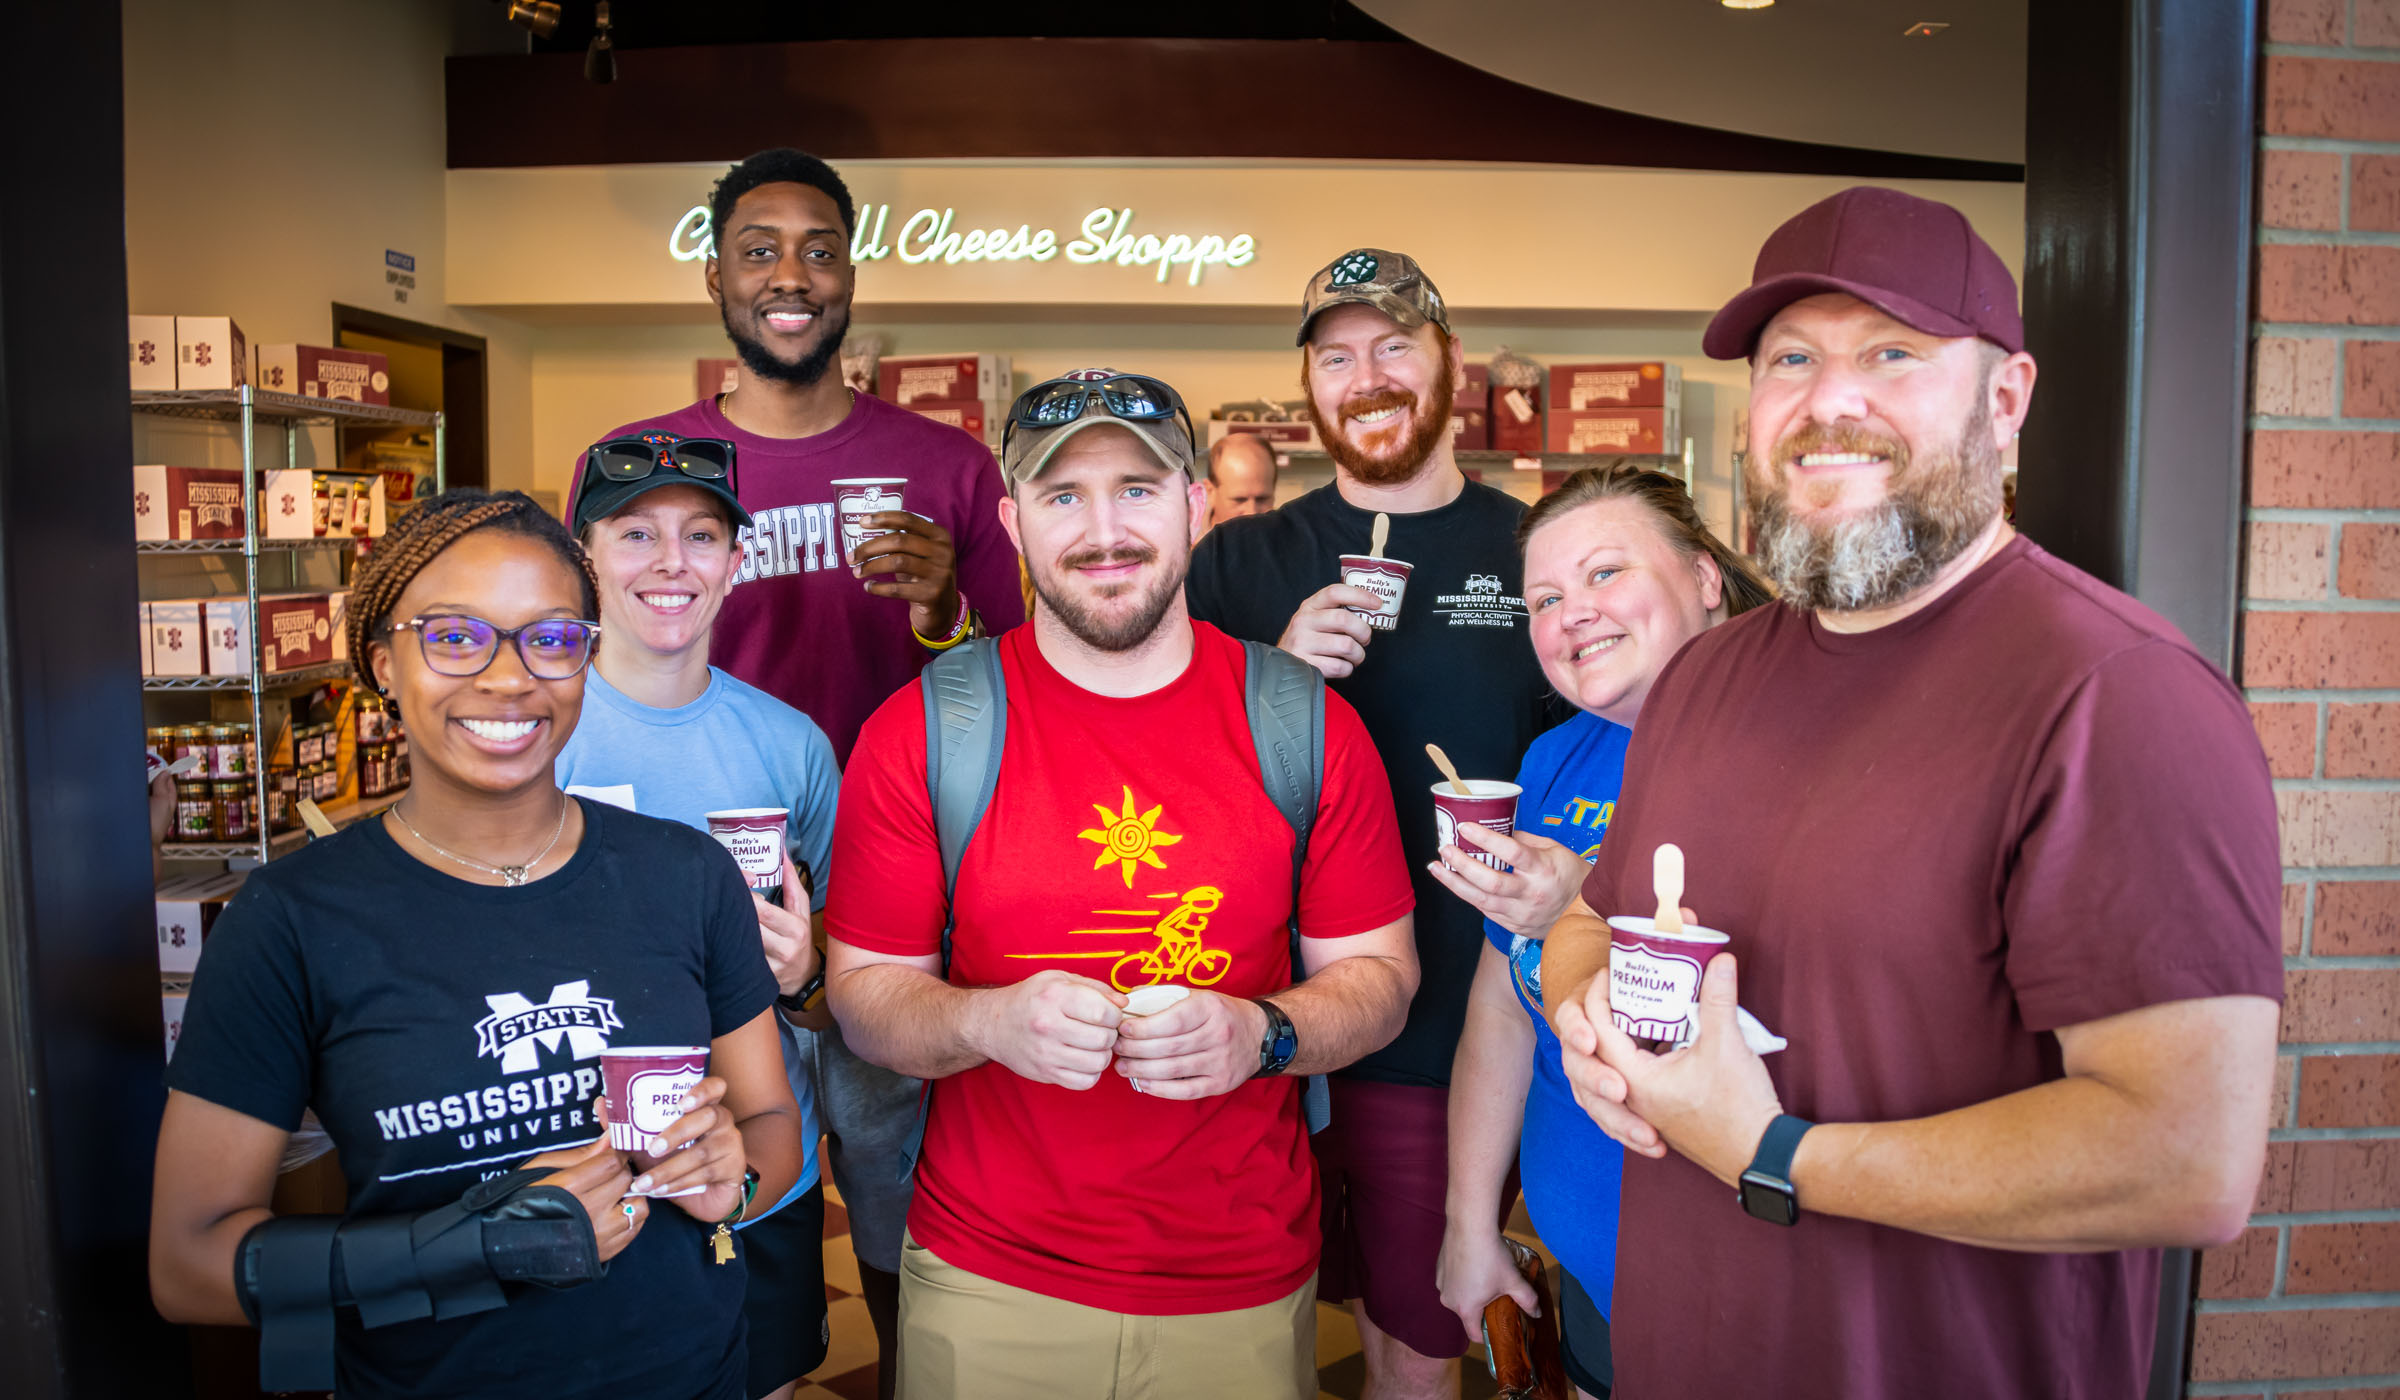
[(1400, 461)]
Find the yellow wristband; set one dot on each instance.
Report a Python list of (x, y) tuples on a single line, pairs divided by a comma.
[(959, 630)]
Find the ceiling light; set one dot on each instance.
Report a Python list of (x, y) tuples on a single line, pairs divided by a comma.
[(1924, 29), (1745, 4), (600, 61), (538, 17)]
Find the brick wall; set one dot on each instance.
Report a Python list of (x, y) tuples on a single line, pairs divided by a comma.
[(2307, 1302)]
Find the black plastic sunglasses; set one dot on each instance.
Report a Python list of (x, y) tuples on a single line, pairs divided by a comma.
[(1136, 398), (633, 458)]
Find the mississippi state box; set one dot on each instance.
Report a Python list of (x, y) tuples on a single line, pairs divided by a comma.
[(187, 907), (298, 630), (175, 648), (318, 372), (150, 351), (1471, 416), (948, 377), (973, 416), (210, 353), (1648, 384), (1517, 419), (1641, 431), (187, 503)]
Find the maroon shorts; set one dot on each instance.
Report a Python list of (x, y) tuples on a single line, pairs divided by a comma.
[(1383, 1165)]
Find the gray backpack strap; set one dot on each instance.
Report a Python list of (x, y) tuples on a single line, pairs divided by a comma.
[(1284, 698), (966, 719)]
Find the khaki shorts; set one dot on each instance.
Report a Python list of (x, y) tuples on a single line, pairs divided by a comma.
[(965, 1337)]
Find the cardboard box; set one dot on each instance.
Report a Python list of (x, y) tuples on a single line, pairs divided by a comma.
[(321, 372), (150, 351), (225, 636), (1286, 437), (175, 648), (973, 416), (173, 1003), (297, 629), (1471, 415), (187, 503), (1646, 384), (714, 377), (1517, 419), (187, 909), (287, 504), (144, 610), (949, 377), (1640, 431), (210, 353)]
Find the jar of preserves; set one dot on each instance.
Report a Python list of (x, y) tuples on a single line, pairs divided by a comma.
[(219, 751), (232, 810), (400, 770), (374, 719), (324, 486), (307, 746), (195, 811), (329, 782)]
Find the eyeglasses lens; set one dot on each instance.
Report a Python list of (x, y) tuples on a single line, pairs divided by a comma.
[(556, 649), (457, 646)]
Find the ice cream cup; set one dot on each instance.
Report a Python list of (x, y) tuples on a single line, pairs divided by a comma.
[(644, 1084), (1654, 978), (1489, 804), (1149, 1001), (1385, 578), (857, 497), (755, 836)]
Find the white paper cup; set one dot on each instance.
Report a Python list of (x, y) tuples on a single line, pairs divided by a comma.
[(1654, 978)]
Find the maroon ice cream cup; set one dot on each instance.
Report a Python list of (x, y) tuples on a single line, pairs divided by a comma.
[(857, 497), (644, 1086), (1385, 578), (755, 837), (1490, 805), (1654, 978)]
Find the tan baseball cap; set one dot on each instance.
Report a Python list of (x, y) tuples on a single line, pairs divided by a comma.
[(1392, 283)]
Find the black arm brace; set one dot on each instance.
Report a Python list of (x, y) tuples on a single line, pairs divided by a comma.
[(293, 1271)]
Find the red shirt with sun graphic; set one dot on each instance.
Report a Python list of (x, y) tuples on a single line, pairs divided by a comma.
[(1131, 842)]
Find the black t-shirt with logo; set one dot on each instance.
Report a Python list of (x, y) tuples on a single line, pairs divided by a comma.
[(445, 1031), (1458, 671)]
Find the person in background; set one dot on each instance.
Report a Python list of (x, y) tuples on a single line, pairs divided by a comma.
[(829, 633), (439, 984), (1112, 1204), (667, 734), (1381, 370), (1619, 574), (1996, 852), (1241, 477)]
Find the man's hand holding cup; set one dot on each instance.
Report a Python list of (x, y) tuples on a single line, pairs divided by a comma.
[(1204, 1045), (1052, 1028), (1330, 630), (1539, 885)]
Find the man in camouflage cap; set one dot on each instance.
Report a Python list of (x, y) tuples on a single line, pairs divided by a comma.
[(1454, 665)]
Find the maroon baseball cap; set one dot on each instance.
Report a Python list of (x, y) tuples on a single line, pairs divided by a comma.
[(1916, 260)]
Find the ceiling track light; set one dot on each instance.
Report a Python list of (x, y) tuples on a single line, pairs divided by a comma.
[(600, 60), (537, 17), (1746, 4)]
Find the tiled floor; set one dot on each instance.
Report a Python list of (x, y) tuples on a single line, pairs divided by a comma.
[(849, 1369)]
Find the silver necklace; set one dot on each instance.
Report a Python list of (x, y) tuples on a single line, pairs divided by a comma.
[(509, 874)]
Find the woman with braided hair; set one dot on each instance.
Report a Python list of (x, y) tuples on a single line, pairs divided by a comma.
[(438, 985)]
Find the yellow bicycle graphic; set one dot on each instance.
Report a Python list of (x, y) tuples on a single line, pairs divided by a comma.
[(1179, 952)]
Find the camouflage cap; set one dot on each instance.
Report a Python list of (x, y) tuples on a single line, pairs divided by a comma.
[(1392, 283)]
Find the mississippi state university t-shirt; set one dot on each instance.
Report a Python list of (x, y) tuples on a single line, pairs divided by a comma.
[(2028, 806), (444, 1032), (796, 624), (1458, 671), (1130, 841)]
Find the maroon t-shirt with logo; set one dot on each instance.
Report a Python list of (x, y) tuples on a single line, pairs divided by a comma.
[(2028, 806), (796, 624)]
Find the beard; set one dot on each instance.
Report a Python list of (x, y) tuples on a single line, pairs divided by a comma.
[(1933, 509), (808, 369), (1094, 629), (1402, 462)]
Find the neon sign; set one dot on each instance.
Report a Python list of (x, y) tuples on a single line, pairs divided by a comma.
[(929, 236)]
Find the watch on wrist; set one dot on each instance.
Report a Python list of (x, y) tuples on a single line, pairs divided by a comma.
[(1280, 1042), (1766, 1186), (810, 996)]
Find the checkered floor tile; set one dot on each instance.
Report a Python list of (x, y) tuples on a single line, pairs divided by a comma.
[(849, 1369)]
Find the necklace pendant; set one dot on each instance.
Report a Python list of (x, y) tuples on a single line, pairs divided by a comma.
[(513, 874)]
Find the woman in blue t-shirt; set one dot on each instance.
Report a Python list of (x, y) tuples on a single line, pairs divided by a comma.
[(1619, 574), (442, 986)]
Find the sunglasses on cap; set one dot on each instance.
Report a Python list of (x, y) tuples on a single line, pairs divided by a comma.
[(634, 458), (1136, 398)]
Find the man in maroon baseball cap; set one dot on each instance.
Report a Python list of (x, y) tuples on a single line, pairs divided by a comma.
[(1995, 850)]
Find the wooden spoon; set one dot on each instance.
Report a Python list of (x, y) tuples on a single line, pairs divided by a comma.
[(1442, 761), (1383, 532), (1666, 879)]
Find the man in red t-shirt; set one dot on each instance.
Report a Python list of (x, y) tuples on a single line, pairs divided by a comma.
[(1108, 1200), (1995, 849)]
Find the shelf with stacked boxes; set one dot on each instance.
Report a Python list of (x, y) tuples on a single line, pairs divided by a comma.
[(228, 404), (341, 814), (298, 676)]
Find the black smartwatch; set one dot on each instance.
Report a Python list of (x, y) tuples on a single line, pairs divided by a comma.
[(1281, 1041), (1766, 1187), (810, 996)]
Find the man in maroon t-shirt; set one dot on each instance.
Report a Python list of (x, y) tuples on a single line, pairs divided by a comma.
[(834, 633), (1995, 849)]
